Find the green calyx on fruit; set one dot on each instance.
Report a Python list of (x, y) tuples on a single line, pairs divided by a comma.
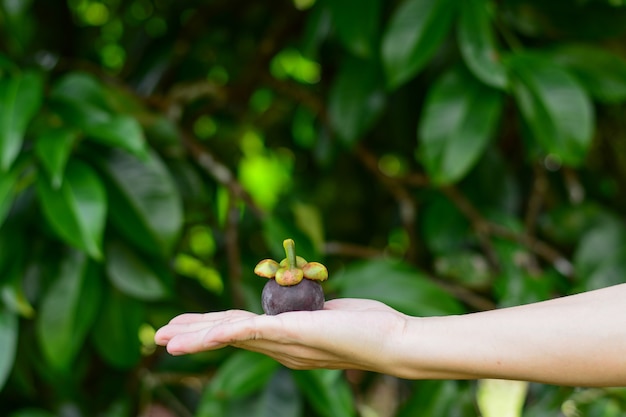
[(266, 268), (315, 271), (291, 270)]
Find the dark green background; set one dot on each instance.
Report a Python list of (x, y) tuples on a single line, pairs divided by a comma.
[(440, 156)]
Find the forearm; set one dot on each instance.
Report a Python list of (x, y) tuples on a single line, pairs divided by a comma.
[(576, 340)]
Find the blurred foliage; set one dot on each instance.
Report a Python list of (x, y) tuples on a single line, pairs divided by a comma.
[(443, 157)]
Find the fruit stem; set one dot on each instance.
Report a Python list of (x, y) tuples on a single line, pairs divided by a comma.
[(290, 252)]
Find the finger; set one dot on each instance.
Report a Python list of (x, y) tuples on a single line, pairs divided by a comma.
[(203, 317), (203, 338), (225, 333), (353, 304), (191, 323)]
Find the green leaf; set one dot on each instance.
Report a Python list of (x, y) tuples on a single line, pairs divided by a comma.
[(8, 340), (599, 245), (7, 189), (477, 43), (555, 107), (80, 87), (444, 228), (83, 102), (600, 258), (116, 330), (77, 210), (439, 398), (53, 148), (601, 72), (132, 275), (460, 117), (401, 287), (20, 99), (67, 311), (145, 204), (413, 35), (279, 398), (328, 392), (356, 99), (356, 24), (122, 131), (241, 374)]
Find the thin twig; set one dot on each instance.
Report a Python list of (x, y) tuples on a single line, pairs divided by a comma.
[(480, 225), (406, 204), (233, 254), (352, 250), (536, 199), (220, 172)]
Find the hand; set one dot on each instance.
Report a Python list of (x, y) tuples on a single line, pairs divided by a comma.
[(347, 334)]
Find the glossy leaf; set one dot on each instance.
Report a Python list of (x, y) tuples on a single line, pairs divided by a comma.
[(83, 102), (122, 131), (67, 311), (397, 285), (555, 107), (439, 398), (356, 100), (412, 36), (600, 258), (132, 275), (77, 210), (7, 188), (241, 374), (20, 99), (477, 43), (80, 87), (356, 24), (145, 204), (53, 148), (444, 228), (116, 330), (8, 340), (327, 391), (280, 397), (601, 72), (460, 117)]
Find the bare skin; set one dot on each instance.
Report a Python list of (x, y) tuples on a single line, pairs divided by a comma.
[(578, 340)]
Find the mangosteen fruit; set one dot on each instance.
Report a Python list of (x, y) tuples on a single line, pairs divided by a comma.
[(293, 284)]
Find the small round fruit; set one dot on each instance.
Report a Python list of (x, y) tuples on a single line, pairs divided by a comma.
[(308, 295)]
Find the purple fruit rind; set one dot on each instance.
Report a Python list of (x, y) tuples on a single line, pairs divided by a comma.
[(306, 296)]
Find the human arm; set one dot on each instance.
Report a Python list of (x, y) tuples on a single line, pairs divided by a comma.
[(574, 340)]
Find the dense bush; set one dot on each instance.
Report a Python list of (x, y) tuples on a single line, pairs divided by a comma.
[(440, 156)]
